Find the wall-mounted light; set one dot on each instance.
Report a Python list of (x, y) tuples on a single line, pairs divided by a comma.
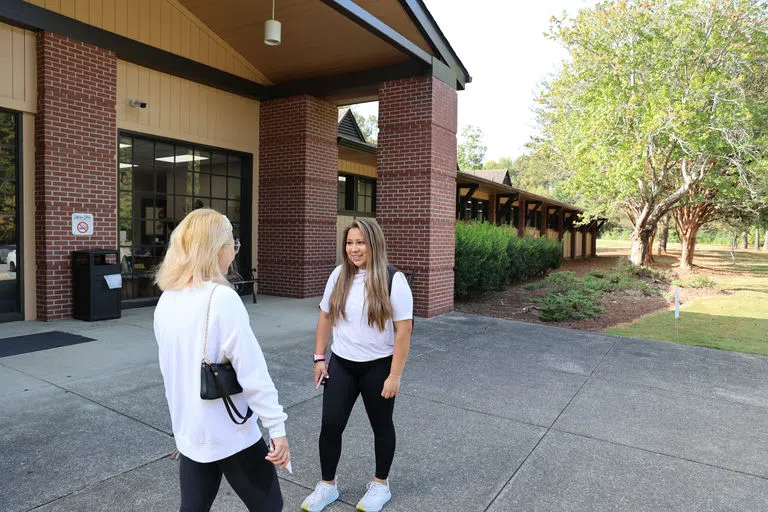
[(137, 103), (272, 30)]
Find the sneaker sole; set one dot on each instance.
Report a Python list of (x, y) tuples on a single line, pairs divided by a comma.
[(307, 509), (376, 510)]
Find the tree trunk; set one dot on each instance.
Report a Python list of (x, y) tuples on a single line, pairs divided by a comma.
[(649, 256), (688, 244), (765, 241), (640, 246), (757, 239), (663, 234), (744, 240)]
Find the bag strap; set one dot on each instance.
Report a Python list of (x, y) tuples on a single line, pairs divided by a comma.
[(391, 271), (230, 405), (207, 315)]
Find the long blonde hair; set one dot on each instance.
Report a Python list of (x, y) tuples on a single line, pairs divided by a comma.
[(193, 252), (376, 289)]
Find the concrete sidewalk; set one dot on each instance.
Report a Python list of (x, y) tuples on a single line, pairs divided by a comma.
[(494, 416)]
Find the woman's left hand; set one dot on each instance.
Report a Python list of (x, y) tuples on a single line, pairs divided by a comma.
[(391, 387)]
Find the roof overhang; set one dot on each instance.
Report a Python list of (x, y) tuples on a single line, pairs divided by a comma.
[(468, 179), (424, 52)]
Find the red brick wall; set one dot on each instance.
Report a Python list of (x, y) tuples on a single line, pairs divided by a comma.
[(75, 169), (416, 187), (298, 173)]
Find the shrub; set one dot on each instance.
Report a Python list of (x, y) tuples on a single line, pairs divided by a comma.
[(576, 298), (702, 282), (490, 257), (574, 304)]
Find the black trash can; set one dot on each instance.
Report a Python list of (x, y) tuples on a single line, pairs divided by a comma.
[(93, 299)]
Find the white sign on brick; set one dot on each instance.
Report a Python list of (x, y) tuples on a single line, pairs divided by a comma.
[(82, 224)]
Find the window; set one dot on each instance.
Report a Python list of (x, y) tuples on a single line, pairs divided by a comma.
[(356, 194), (476, 209), (553, 220), (10, 247), (160, 182)]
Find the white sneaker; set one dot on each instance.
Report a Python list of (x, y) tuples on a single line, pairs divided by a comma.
[(323, 495), (375, 497)]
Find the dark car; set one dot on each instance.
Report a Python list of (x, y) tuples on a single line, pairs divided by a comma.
[(4, 250)]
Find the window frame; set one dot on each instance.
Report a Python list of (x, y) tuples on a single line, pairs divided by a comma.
[(352, 181)]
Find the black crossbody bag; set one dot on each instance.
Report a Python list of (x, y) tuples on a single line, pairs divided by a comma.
[(219, 380)]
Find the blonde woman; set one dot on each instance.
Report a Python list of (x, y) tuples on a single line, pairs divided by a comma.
[(199, 312), (371, 338)]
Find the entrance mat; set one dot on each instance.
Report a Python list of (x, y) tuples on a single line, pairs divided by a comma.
[(40, 341)]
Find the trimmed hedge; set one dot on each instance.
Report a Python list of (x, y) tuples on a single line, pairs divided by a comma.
[(491, 257)]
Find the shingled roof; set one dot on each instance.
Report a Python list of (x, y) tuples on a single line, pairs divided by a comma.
[(494, 175)]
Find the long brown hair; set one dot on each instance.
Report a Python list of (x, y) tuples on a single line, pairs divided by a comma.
[(376, 289)]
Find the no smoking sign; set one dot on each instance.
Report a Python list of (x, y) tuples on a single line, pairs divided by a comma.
[(82, 224)]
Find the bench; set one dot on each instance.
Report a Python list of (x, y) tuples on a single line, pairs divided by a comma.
[(245, 283)]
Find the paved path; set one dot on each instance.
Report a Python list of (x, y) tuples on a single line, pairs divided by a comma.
[(495, 416)]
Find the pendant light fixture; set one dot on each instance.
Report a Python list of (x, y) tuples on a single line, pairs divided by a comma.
[(272, 29)]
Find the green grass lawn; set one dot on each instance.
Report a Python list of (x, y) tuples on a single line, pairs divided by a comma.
[(737, 321)]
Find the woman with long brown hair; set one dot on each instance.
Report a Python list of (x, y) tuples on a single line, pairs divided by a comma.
[(371, 327)]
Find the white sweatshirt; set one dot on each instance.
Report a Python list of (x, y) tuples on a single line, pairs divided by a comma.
[(203, 430)]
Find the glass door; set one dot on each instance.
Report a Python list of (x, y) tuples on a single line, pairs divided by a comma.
[(10, 247)]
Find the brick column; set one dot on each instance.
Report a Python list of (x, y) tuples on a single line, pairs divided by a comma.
[(75, 164), (298, 173), (416, 185)]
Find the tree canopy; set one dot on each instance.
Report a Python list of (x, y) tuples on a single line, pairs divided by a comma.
[(654, 98), (471, 150)]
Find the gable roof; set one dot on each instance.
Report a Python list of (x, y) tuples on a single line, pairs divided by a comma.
[(494, 175), (349, 133)]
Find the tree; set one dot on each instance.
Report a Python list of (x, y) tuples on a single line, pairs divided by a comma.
[(471, 150), (654, 98), (689, 217), (369, 126), (504, 162)]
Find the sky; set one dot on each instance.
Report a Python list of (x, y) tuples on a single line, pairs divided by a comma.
[(502, 44)]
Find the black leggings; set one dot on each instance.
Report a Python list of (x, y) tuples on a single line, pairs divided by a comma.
[(347, 380), (253, 478)]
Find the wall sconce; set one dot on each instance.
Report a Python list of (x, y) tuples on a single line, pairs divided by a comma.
[(272, 30), (137, 103)]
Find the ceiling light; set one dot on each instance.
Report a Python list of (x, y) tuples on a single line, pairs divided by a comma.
[(182, 158), (124, 145), (272, 30), (127, 166)]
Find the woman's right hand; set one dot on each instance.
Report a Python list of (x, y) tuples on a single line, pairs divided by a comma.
[(321, 372)]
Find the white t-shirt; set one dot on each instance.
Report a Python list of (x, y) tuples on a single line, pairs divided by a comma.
[(353, 338), (202, 429)]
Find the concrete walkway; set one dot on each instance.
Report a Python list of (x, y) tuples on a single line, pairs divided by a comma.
[(494, 416)]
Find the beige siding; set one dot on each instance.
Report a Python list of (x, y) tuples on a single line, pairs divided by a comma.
[(579, 236), (164, 24), (532, 232), (359, 168), (589, 244), (18, 69), (28, 206), (567, 244), (552, 235), (184, 110)]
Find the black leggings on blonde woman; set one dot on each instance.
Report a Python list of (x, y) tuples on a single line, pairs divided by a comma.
[(253, 478), (347, 380)]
